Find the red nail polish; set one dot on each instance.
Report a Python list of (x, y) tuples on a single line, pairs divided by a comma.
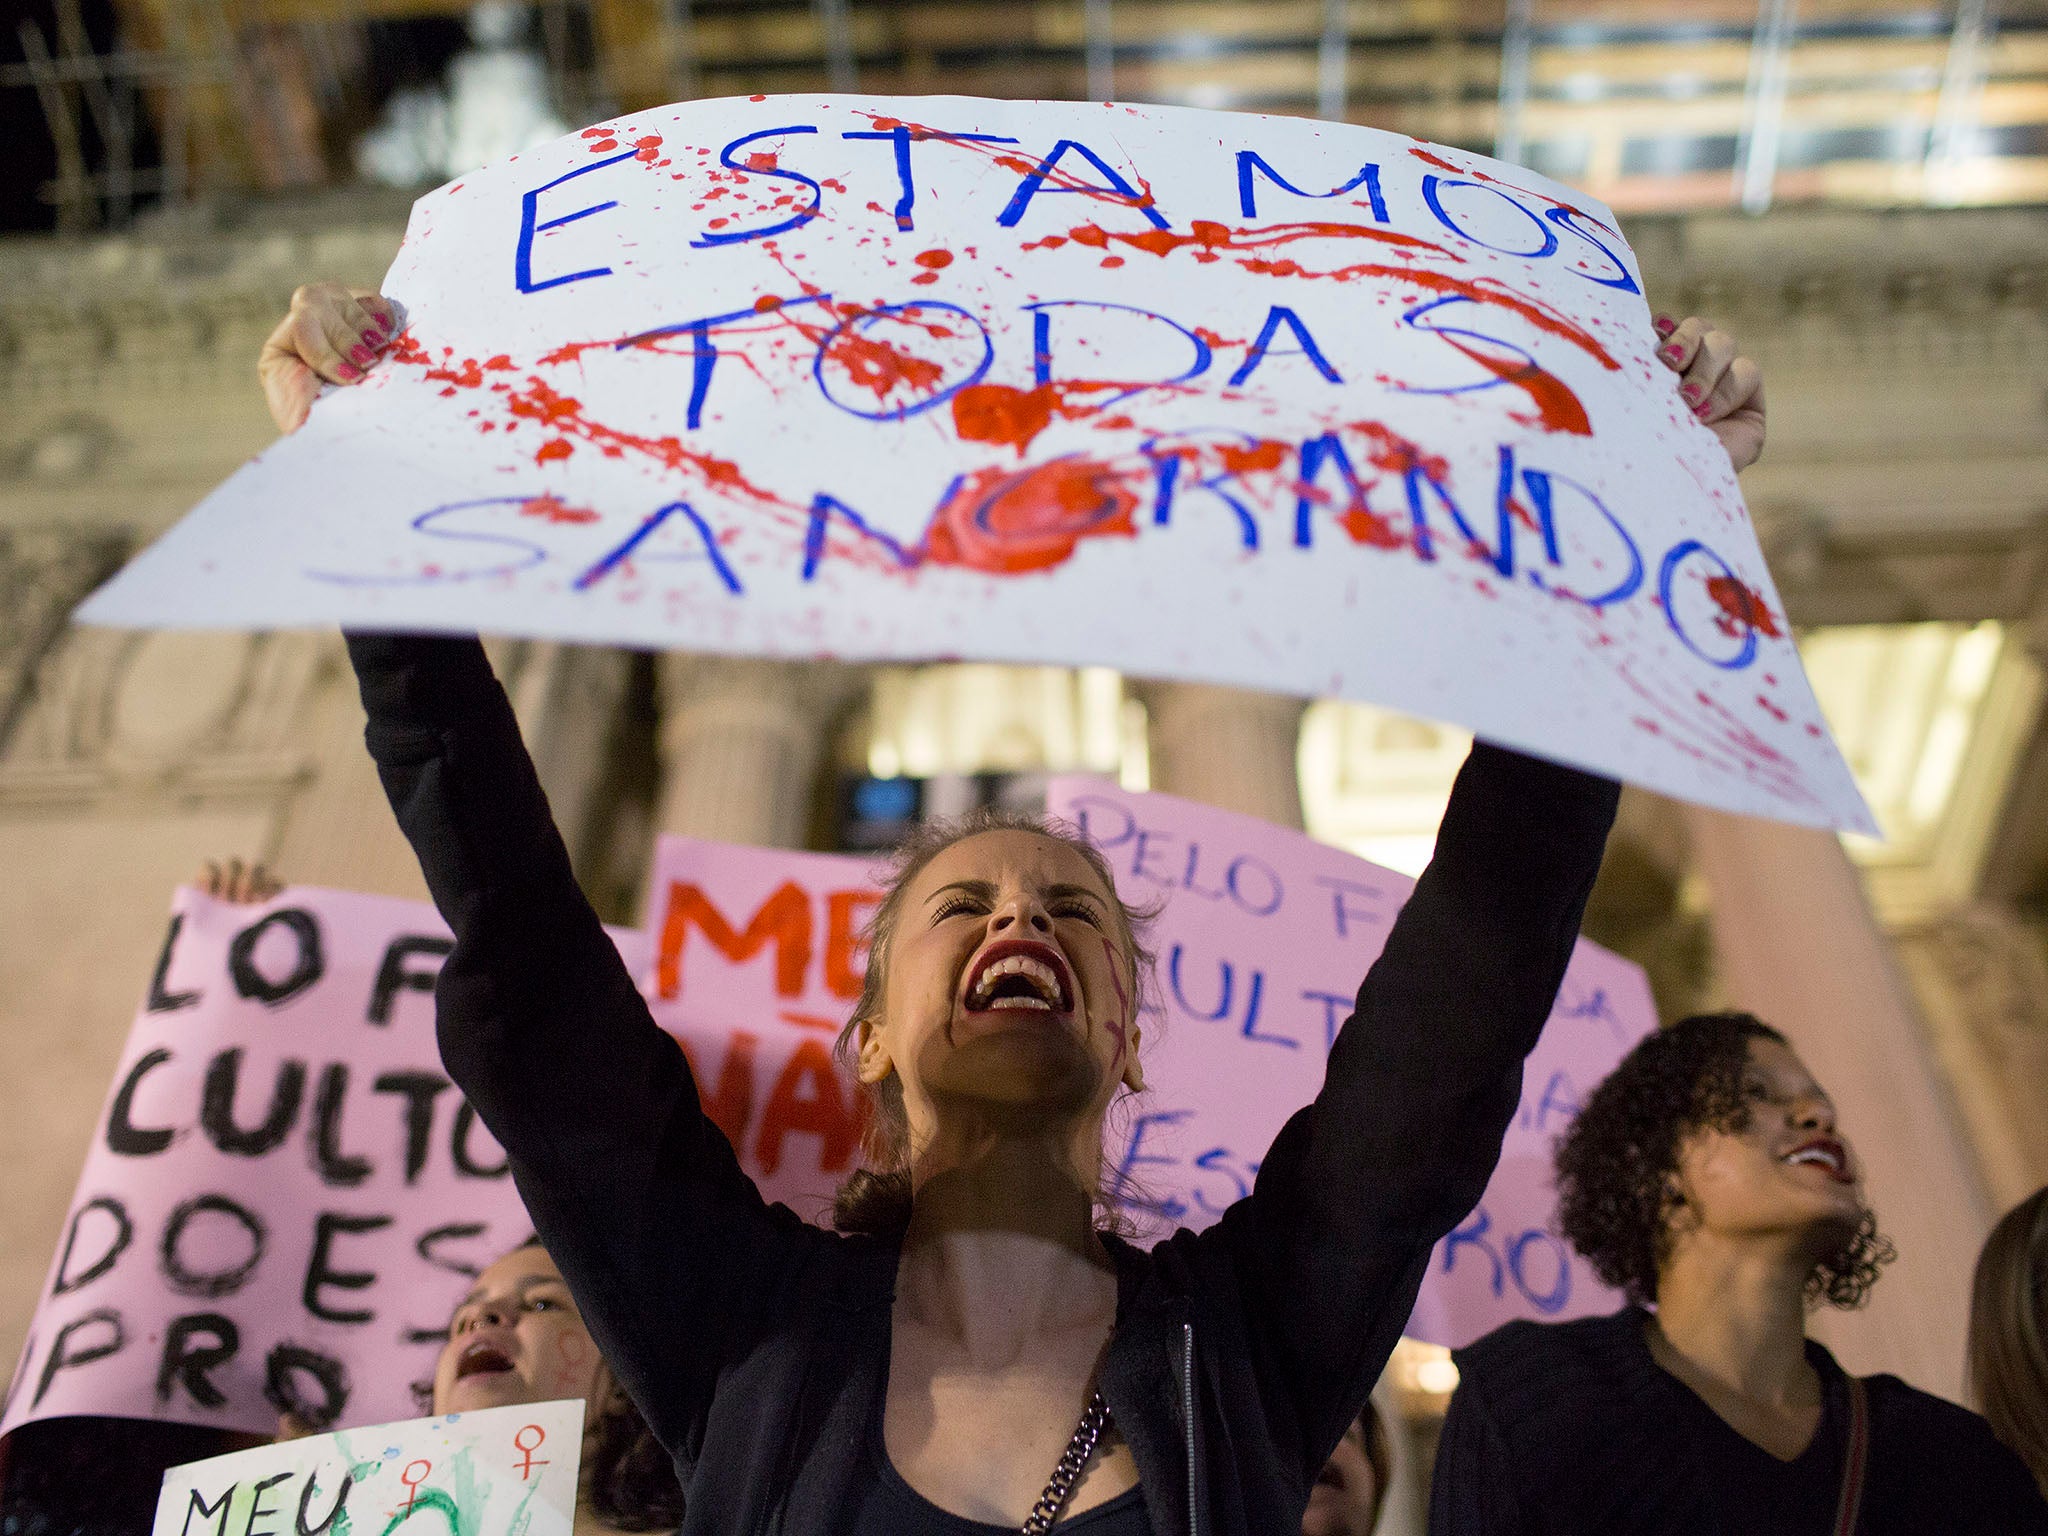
[(1690, 391), (360, 353), (347, 372), (1664, 325), (1674, 352)]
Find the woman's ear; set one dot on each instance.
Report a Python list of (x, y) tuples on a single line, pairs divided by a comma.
[(873, 1062), (1134, 1070)]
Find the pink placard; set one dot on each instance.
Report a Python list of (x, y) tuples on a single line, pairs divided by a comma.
[(285, 1197), (1262, 942), (755, 958)]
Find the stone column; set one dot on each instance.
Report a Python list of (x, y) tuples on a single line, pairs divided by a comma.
[(1226, 747), (1981, 972), (1798, 947), (741, 744), (338, 829)]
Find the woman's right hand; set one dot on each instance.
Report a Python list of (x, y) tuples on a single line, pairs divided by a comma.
[(331, 334)]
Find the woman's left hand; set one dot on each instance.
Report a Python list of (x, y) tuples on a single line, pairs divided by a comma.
[(1718, 384)]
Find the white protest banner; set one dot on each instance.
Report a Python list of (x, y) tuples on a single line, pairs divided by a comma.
[(495, 1472), (286, 1196), (755, 961), (1301, 406), (1263, 941)]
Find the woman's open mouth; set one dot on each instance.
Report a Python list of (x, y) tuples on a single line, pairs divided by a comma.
[(481, 1358), (1826, 1153), (1020, 975)]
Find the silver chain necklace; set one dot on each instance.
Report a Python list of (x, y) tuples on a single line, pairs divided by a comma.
[(1094, 1418)]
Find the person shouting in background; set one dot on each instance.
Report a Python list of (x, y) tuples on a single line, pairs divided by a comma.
[(517, 1338), (977, 1353), (1707, 1179)]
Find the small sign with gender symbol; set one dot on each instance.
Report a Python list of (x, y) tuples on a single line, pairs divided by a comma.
[(474, 1473)]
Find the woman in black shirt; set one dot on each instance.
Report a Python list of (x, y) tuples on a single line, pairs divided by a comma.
[(928, 1373), (1706, 1178)]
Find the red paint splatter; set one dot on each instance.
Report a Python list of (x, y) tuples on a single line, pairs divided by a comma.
[(762, 160), (1474, 174), (1010, 160), (1030, 519), (552, 509), (554, 448), (1000, 413), (1557, 408), (1212, 239), (934, 259), (648, 148), (1209, 236), (1742, 609), (603, 145)]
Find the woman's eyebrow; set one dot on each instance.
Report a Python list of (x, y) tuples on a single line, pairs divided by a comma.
[(1062, 892), (983, 888)]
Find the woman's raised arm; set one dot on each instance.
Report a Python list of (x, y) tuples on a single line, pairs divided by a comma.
[(1426, 1074), (669, 1248)]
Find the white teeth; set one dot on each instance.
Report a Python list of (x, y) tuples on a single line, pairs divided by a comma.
[(1037, 972), (1818, 1155)]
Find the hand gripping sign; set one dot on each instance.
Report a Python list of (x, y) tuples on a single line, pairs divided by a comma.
[(495, 1472), (1293, 405)]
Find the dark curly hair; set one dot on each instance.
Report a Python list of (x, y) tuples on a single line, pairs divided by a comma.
[(1616, 1163)]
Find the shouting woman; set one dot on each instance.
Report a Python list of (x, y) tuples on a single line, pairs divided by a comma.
[(977, 1354)]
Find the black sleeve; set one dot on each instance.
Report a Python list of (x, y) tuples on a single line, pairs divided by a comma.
[(1422, 1081), (663, 1239), (1472, 1491)]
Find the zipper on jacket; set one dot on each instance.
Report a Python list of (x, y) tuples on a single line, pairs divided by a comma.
[(1187, 1416)]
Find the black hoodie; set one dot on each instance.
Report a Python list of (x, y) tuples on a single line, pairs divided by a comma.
[(755, 1344)]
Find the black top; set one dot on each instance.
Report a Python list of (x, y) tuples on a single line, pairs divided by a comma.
[(888, 1506), (1575, 1427), (755, 1344)]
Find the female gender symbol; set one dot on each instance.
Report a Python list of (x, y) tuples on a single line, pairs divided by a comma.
[(414, 1474), (527, 1463)]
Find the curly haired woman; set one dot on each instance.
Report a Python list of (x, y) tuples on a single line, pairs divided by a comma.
[(1706, 1178)]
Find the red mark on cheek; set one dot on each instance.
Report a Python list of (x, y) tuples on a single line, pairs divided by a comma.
[(1030, 520), (1742, 608), (573, 1351), (1121, 1024)]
